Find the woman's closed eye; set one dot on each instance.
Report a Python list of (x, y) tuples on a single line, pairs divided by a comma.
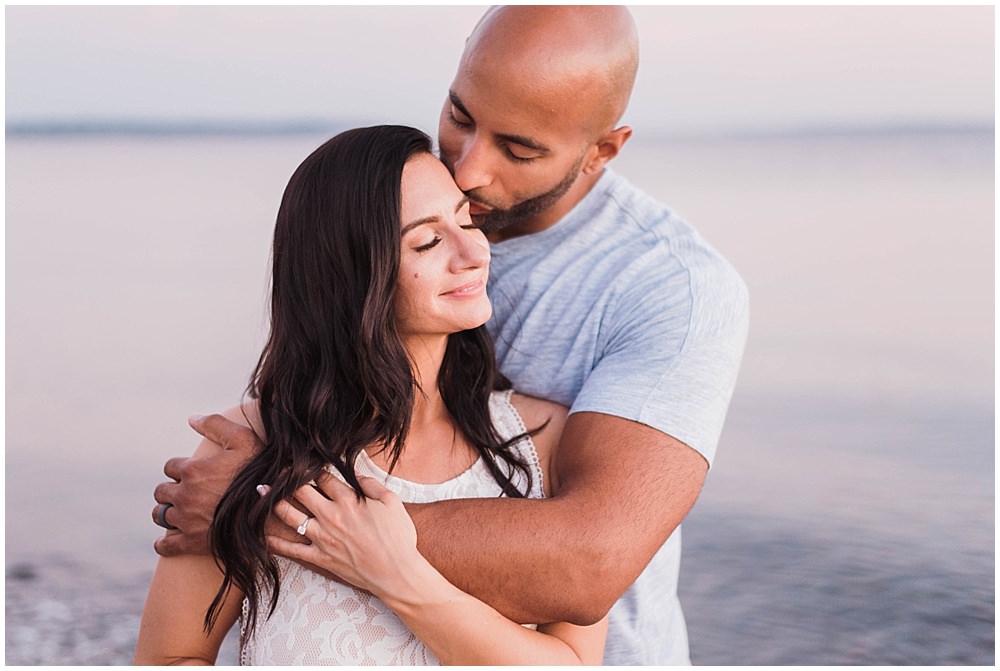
[(429, 245)]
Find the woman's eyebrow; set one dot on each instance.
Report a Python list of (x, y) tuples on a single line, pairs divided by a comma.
[(433, 218)]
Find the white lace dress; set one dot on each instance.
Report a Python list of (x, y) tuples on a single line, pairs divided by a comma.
[(319, 621)]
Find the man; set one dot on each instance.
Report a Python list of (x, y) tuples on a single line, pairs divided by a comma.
[(603, 301)]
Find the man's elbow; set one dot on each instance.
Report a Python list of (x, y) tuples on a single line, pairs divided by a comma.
[(595, 582), (585, 612)]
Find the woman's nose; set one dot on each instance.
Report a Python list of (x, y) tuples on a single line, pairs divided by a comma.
[(473, 250)]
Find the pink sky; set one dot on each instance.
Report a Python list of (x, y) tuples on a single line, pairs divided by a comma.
[(702, 67)]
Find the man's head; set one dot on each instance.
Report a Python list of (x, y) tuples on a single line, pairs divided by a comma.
[(531, 116)]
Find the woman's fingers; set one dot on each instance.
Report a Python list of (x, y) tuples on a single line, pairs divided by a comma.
[(333, 487), (300, 552), (367, 542), (374, 489), (292, 516)]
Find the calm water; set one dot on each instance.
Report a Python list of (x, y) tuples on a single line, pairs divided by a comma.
[(849, 518)]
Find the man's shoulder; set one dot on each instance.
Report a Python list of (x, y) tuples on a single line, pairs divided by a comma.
[(655, 240), (620, 199), (644, 223), (664, 261)]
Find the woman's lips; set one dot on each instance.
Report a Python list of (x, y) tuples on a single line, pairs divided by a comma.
[(468, 290)]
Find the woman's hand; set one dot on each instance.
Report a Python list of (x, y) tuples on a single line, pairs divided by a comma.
[(371, 544)]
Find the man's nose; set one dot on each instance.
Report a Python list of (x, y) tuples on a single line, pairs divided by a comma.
[(472, 166)]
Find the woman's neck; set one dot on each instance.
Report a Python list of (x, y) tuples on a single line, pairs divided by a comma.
[(434, 451), (426, 355)]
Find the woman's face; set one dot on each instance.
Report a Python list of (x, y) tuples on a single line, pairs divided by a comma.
[(444, 259)]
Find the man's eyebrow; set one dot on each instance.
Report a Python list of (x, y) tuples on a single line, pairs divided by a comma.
[(506, 137), (433, 218), (457, 102)]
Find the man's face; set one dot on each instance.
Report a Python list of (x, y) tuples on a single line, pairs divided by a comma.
[(512, 152)]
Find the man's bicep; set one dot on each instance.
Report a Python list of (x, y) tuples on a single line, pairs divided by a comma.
[(634, 485)]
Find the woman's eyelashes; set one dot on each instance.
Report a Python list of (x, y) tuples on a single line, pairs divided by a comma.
[(429, 245)]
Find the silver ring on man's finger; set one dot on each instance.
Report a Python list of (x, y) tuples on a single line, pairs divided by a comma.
[(161, 516), (305, 525)]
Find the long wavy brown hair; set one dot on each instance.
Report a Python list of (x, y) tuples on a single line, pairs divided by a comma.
[(333, 377)]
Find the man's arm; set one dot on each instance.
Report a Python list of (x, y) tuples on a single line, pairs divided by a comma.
[(624, 488)]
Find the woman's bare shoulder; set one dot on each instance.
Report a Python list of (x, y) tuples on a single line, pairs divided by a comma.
[(246, 414), (538, 412)]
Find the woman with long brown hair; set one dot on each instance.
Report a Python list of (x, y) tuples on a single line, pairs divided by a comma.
[(377, 371)]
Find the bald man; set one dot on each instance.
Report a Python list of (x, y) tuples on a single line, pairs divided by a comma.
[(604, 301)]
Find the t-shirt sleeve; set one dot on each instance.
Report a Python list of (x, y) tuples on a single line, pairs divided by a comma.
[(670, 351)]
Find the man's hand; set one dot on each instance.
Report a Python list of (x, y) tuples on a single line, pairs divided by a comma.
[(200, 482)]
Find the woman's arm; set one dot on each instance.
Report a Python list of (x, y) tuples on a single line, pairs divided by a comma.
[(372, 544), (172, 629)]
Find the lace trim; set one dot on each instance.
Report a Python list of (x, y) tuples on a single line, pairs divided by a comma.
[(525, 446)]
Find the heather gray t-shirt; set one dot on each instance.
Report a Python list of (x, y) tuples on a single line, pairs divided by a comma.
[(621, 308)]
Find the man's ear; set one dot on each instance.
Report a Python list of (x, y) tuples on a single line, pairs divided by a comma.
[(606, 148)]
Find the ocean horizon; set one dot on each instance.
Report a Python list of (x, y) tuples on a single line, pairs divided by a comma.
[(195, 126)]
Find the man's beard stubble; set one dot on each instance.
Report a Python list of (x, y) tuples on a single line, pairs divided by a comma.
[(498, 219)]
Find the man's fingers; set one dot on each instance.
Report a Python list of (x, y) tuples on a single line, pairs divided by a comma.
[(166, 492), (225, 432), (171, 545), (160, 515), (173, 467)]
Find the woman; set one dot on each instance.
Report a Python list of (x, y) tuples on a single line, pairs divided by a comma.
[(377, 363)]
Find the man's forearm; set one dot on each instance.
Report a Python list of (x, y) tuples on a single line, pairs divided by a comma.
[(509, 553), (624, 488)]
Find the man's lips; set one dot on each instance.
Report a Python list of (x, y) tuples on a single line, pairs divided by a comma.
[(475, 208)]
